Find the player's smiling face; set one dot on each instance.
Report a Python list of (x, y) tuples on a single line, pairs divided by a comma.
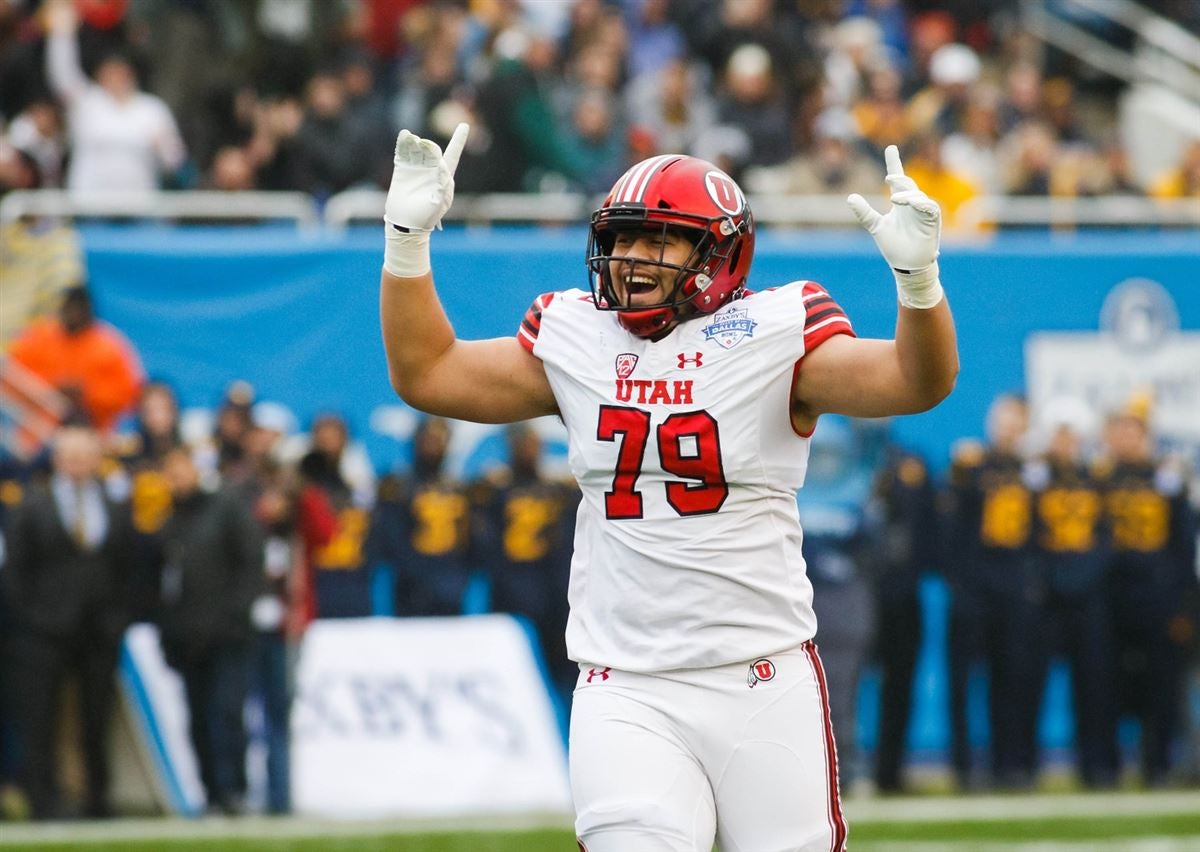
[(638, 278)]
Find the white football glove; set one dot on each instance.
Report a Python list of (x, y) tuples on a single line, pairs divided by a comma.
[(907, 235), (422, 191)]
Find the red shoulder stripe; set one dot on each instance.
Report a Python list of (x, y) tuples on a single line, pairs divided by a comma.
[(531, 323), (823, 317)]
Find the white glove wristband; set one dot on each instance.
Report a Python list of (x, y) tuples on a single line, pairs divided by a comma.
[(919, 288), (405, 255)]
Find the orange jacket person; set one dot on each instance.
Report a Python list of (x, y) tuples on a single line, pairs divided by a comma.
[(88, 360)]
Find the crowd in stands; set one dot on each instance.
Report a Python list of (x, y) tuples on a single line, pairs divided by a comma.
[(1070, 541), (794, 97)]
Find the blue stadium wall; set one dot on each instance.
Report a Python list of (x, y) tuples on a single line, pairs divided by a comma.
[(298, 316)]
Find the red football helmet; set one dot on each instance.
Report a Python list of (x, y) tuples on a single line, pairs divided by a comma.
[(673, 191)]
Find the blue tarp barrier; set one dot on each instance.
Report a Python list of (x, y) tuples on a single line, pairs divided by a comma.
[(298, 316)]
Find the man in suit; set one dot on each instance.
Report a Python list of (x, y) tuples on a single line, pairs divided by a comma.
[(65, 583)]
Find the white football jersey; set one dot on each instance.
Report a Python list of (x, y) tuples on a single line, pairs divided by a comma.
[(687, 544)]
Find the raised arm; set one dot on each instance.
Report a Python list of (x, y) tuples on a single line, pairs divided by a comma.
[(916, 370), (488, 381), (63, 69)]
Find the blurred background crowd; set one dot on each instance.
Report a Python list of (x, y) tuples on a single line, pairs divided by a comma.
[(789, 97), (1072, 542)]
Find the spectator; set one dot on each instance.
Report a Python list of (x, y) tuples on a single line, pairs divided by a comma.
[(232, 170), (429, 78), (121, 138), (421, 529), (293, 525), (654, 39), (882, 116), (212, 571), (333, 152), (1153, 581), (993, 590), (930, 31), (274, 147), (157, 427), (528, 524), (751, 98), (854, 54), (672, 104), (906, 529), (971, 150), (597, 142), (892, 19), (1183, 181), (66, 587), (1072, 550), (336, 474), (1027, 157), (953, 70), (515, 106), (18, 168), (366, 109), (1022, 100), (330, 439), (834, 167), (142, 454), (225, 451), (38, 133), (944, 185), (86, 359)]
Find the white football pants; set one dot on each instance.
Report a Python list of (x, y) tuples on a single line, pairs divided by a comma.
[(743, 753)]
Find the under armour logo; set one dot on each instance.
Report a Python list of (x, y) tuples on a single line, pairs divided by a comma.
[(696, 360), (601, 673)]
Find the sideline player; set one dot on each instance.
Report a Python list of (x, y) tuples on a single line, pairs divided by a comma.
[(700, 710)]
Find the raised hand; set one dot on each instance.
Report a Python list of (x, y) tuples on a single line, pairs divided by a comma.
[(908, 235), (422, 191), (422, 188)]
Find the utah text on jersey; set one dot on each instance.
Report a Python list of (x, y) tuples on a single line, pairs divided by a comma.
[(674, 517)]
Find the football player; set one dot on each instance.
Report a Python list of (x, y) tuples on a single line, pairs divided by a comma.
[(701, 710)]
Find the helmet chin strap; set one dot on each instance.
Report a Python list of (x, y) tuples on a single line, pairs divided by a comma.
[(649, 322)]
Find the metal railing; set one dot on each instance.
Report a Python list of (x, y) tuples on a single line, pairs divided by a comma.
[(1109, 211), (782, 211), (186, 205), (1164, 52)]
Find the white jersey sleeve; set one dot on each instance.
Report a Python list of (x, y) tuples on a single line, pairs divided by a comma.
[(687, 547)]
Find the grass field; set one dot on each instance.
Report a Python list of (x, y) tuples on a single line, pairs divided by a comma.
[(1125, 822)]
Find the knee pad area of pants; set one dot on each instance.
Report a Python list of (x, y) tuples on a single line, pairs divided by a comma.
[(643, 826)]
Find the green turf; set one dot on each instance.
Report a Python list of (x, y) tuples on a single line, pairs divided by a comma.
[(535, 841), (871, 834), (1050, 828)]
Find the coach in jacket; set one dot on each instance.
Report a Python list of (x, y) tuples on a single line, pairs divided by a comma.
[(212, 571), (66, 583)]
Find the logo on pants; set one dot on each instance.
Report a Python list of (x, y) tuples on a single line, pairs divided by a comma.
[(598, 673), (760, 670)]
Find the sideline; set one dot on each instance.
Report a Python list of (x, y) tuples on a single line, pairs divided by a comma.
[(931, 809)]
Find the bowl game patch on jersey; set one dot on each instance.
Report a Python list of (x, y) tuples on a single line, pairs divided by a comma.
[(730, 327)]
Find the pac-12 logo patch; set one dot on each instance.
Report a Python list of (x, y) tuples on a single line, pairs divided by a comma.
[(729, 327), (760, 670), (626, 361)]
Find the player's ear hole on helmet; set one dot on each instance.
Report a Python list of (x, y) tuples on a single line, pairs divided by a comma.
[(734, 258)]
